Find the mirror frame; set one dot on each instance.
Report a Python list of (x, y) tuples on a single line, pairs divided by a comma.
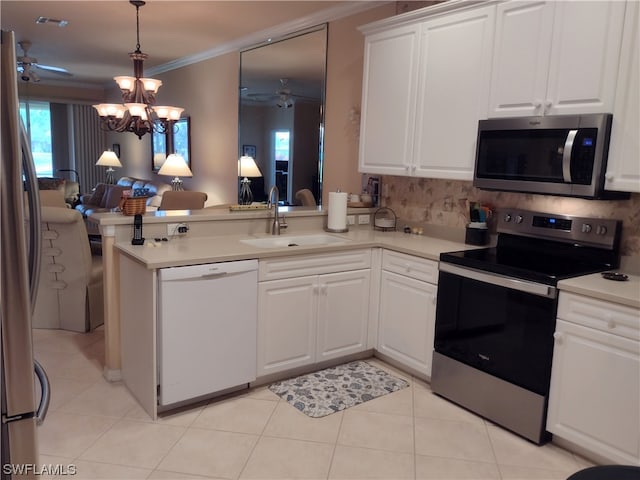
[(242, 142)]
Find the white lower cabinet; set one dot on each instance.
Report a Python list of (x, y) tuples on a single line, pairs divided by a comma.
[(595, 382), (286, 324), (407, 310), (308, 319)]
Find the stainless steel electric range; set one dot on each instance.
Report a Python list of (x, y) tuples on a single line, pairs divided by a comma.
[(496, 313)]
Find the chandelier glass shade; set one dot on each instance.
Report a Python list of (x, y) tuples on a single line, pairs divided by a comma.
[(137, 113)]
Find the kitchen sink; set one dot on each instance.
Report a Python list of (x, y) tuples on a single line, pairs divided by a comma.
[(281, 241)]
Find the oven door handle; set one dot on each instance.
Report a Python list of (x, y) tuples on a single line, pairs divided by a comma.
[(567, 154), (501, 280)]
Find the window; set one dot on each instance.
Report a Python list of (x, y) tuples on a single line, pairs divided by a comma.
[(37, 120), (282, 145)]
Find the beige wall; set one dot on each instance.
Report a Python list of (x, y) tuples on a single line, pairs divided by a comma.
[(344, 93), (209, 93)]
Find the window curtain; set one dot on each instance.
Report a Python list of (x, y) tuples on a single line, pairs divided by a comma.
[(88, 141)]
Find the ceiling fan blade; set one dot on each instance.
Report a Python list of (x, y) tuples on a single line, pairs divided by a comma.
[(56, 70)]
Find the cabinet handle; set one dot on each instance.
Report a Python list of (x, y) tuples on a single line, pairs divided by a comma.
[(547, 105), (609, 177), (323, 289), (413, 168), (559, 337), (315, 289), (611, 324), (537, 104), (407, 267)]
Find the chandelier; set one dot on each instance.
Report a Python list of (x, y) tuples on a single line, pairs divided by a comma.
[(137, 113)]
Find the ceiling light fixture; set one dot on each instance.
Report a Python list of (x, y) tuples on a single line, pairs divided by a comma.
[(138, 115)]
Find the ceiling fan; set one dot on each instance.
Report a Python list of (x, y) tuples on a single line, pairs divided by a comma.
[(283, 96), (27, 65)]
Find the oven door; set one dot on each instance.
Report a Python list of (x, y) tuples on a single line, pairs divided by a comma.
[(497, 324)]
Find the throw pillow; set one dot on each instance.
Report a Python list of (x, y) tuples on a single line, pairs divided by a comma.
[(98, 194), (112, 196)]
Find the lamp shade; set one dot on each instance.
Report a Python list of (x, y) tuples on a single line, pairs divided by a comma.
[(175, 165), (108, 159), (247, 167)]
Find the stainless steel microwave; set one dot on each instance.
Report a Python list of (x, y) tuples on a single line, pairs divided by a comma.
[(553, 155)]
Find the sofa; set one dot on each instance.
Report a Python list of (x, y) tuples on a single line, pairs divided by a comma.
[(106, 197)]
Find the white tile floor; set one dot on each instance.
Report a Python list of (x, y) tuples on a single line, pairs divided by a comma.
[(100, 428)]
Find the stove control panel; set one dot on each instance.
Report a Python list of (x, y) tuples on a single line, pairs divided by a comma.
[(600, 232)]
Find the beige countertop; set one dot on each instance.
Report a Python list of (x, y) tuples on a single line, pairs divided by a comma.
[(197, 250), (594, 286)]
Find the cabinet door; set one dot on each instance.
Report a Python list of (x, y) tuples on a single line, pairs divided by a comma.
[(286, 324), (623, 167), (585, 50), (453, 90), (407, 321), (388, 101), (594, 397), (343, 313), (521, 58)]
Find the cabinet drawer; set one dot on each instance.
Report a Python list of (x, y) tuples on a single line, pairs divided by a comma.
[(410, 266), (303, 265), (605, 316)]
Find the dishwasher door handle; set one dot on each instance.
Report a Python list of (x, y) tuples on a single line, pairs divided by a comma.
[(207, 276), (214, 275)]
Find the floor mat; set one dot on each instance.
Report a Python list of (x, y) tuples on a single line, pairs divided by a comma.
[(333, 389)]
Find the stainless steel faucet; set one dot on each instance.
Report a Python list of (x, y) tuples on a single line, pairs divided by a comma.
[(275, 226)]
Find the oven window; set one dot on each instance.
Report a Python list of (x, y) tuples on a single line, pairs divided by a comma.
[(503, 332)]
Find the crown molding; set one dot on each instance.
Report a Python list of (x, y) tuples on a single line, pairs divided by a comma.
[(270, 34)]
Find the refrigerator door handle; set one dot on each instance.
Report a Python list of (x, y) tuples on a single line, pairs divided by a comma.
[(45, 388), (35, 240)]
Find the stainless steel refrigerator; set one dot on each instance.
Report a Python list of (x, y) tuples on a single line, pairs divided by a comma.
[(19, 266)]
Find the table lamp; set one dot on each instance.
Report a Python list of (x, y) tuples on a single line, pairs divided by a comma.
[(175, 166), (247, 168), (109, 159)]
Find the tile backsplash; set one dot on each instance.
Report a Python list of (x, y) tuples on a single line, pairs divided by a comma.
[(445, 203)]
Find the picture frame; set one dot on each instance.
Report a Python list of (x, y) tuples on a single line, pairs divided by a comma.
[(116, 149), (249, 151), (180, 139)]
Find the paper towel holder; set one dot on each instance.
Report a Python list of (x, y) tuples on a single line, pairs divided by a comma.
[(336, 230)]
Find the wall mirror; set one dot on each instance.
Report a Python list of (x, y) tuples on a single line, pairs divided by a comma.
[(282, 91)]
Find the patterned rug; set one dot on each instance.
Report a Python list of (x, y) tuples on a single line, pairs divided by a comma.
[(333, 389)]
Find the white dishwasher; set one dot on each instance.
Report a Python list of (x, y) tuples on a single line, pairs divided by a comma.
[(207, 321)]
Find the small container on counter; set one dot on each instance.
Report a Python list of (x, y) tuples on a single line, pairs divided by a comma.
[(476, 233)]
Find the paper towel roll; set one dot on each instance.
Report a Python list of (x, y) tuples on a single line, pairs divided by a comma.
[(337, 220)]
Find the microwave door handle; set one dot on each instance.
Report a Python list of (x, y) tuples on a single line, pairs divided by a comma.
[(567, 154)]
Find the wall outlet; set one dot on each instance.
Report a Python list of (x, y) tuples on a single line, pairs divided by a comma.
[(351, 219), (174, 229), (363, 219)]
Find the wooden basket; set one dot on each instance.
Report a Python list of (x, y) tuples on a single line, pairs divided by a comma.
[(133, 205)]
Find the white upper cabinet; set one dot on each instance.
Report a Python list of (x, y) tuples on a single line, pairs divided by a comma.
[(388, 101), (425, 87), (555, 57), (453, 88), (623, 165)]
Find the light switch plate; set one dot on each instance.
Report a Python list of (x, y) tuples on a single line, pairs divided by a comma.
[(351, 219), (363, 219)]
